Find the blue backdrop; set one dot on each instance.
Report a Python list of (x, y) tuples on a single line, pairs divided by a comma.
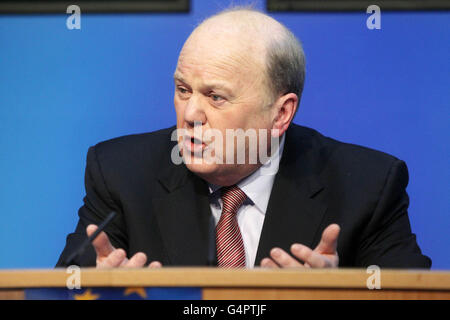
[(62, 91)]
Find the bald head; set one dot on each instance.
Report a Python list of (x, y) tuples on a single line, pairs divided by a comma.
[(260, 41), (245, 24)]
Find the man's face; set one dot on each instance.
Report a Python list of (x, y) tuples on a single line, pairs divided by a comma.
[(219, 84)]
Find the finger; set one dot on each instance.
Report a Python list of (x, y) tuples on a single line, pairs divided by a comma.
[(115, 259), (268, 263), (101, 243), (328, 243), (311, 258), (137, 261), (155, 264), (284, 259)]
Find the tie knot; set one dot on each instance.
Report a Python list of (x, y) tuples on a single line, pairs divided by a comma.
[(232, 198)]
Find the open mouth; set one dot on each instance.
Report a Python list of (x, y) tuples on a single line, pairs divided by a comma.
[(193, 144)]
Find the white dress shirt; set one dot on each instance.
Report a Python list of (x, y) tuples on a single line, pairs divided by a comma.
[(250, 216)]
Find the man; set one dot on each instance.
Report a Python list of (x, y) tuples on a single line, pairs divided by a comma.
[(314, 202)]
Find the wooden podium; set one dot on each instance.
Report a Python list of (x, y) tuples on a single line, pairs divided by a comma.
[(218, 284)]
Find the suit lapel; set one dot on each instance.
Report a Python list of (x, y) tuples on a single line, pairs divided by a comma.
[(296, 206), (183, 216)]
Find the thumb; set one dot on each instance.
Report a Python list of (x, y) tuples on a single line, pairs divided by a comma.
[(101, 243), (328, 243)]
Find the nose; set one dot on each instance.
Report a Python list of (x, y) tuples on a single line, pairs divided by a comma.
[(194, 114)]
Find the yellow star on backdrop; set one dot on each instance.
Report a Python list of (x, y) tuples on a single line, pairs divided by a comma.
[(87, 295), (140, 291)]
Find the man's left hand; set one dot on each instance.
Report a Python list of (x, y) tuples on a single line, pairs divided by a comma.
[(323, 256)]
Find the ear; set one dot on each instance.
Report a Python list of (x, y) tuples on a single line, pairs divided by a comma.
[(284, 109)]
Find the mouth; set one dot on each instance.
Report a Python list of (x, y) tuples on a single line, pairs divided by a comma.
[(193, 145)]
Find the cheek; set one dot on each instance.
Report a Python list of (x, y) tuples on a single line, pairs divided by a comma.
[(260, 116), (224, 120), (179, 109)]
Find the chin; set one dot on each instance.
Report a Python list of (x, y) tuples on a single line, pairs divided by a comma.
[(202, 168), (217, 174), (208, 172), (212, 173)]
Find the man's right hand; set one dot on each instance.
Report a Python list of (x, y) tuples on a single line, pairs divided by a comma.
[(110, 257)]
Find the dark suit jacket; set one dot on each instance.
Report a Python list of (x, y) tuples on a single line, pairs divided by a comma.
[(163, 208)]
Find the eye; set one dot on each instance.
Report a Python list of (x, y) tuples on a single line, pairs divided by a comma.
[(182, 90), (216, 98)]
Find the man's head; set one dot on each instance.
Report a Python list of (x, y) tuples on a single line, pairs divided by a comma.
[(239, 69)]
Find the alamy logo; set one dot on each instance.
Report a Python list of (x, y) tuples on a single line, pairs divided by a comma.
[(374, 281), (374, 20), (234, 146), (74, 20), (74, 280)]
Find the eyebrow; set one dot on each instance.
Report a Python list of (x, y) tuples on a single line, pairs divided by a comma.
[(177, 76), (208, 85)]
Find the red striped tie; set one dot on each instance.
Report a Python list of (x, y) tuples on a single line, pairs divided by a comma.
[(229, 244)]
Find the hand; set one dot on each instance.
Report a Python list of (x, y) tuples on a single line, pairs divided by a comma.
[(323, 256), (110, 257)]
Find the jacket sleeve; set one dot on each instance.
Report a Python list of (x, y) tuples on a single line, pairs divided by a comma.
[(98, 203), (387, 240)]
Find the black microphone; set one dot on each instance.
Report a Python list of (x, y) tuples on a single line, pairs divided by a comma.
[(89, 240)]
